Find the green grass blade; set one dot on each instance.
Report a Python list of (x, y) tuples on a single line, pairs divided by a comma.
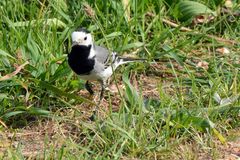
[(59, 92)]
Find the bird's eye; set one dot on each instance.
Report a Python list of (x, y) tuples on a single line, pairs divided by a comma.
[(85, 38)]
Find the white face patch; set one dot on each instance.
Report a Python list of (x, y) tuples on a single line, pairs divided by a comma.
[(82, 38)]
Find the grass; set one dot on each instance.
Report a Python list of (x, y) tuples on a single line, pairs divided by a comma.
[(182, 104)]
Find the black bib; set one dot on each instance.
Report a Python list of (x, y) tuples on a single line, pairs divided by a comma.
[(78, 59)]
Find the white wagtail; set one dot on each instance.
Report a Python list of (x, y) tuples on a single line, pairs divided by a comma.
[(92, 62)]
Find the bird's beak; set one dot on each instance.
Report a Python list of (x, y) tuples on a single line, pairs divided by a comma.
[(76, 43)]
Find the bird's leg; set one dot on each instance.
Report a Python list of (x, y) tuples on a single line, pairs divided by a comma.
[(95, 111), (103, 85), (88, 87)]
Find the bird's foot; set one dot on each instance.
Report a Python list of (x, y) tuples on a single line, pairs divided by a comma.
[(89, 88), (93, 117)]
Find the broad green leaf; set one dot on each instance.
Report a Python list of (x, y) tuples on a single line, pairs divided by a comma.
[(3, 53), (13, 113), (190, 9), (33, 48), (131, 93), (131, 45), (186, 120), (38, 111), (114, 34)]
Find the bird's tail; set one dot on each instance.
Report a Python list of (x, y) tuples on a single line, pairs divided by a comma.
[(122, 60), (117, 61), (129, 59)]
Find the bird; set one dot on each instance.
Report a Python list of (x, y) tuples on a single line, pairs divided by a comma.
[(92, 62)]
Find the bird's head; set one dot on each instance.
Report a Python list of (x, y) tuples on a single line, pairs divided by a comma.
[(82, 37)]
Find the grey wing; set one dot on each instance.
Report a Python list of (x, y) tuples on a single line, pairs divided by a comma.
[(102, 54)]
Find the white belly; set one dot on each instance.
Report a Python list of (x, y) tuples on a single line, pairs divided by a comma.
[(98, 75), (93, 76)]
